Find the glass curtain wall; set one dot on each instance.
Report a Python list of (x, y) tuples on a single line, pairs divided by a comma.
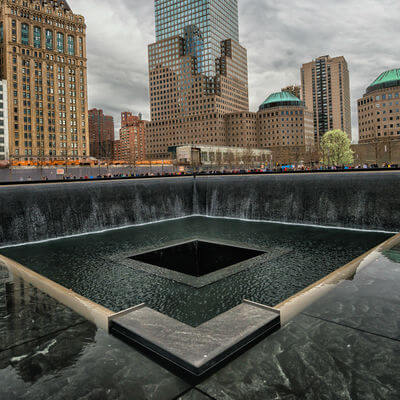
[(212, 20)]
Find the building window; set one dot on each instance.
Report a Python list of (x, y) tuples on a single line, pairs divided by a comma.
[(71, 45), (80, 47), (37, 37), (25, 34), (1, 33), (49, 39), (60, 42)]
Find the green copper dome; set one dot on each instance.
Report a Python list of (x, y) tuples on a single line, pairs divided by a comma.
[(385, 80), (280, 99)]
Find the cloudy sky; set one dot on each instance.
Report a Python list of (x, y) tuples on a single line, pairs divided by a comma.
[(279, 37)]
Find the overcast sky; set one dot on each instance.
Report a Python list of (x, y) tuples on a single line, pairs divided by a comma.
[(279, 36)]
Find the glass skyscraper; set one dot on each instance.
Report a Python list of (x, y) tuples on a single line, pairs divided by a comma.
[(215, 20), (197, 74)]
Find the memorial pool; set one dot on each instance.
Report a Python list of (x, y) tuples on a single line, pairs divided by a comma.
[(98, 266)]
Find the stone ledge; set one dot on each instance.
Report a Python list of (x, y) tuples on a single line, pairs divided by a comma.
[(196, 350)]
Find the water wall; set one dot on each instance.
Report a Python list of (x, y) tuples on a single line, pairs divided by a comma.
[(36, 212), (354, 200)]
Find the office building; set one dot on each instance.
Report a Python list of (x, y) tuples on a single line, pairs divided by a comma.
[(197, 72), (379, 109), (283, 121)]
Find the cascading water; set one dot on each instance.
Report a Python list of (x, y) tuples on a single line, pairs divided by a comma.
[(352, 200), (355, 200), (31, 213)]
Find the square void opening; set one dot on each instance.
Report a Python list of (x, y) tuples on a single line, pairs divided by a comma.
[(197, 258)]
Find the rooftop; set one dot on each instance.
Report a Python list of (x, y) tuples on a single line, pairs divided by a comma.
[(279, 99), (385, 80)]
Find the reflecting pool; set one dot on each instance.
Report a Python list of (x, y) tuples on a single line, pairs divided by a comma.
[(292, 257)]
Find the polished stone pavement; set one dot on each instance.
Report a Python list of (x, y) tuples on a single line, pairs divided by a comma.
[(344, 346)]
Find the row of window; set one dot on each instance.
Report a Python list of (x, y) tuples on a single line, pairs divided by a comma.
[(49, 39)]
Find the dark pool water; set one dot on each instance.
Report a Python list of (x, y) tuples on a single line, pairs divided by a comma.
[(87, 264)]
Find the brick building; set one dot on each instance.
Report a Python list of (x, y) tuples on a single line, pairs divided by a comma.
[(132, 141), (101, 135), (117, 150), (283, 121), (379, 109), (43, 60)]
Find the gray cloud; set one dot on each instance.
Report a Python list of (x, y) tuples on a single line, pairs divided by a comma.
[(279, 37)]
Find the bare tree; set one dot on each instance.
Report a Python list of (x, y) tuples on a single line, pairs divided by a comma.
[(132, 162), (230, 159), (218, 159), (248, 157)]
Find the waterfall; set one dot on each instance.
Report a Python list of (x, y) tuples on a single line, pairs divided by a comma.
[(354, 200)]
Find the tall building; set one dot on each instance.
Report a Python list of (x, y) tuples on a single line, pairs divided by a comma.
[(325, 86), (379, 109), (43, 60), (101, 134), (197, 73), (203, 24), (132, 142)]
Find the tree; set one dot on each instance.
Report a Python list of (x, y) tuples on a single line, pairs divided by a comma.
[(230, 159), (132, 161), (248, 157), (335, 148), (219, 158)]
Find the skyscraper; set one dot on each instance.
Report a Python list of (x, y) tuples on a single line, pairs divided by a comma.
[(210, 21), (325, 87), (197, 73), (43, 60)]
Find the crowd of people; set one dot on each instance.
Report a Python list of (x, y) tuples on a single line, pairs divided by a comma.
[(223, 171)]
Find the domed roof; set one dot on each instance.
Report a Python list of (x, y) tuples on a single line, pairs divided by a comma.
[(385, 80), (281, 99)]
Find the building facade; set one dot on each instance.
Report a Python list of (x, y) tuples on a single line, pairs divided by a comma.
[(43, 59), (132, 138), (4, 136), (325, 89), (101, 135), (222, 156), (379, 109), (283, 121), (241, 129), (197, 72), (202, 24), (117, 150)]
